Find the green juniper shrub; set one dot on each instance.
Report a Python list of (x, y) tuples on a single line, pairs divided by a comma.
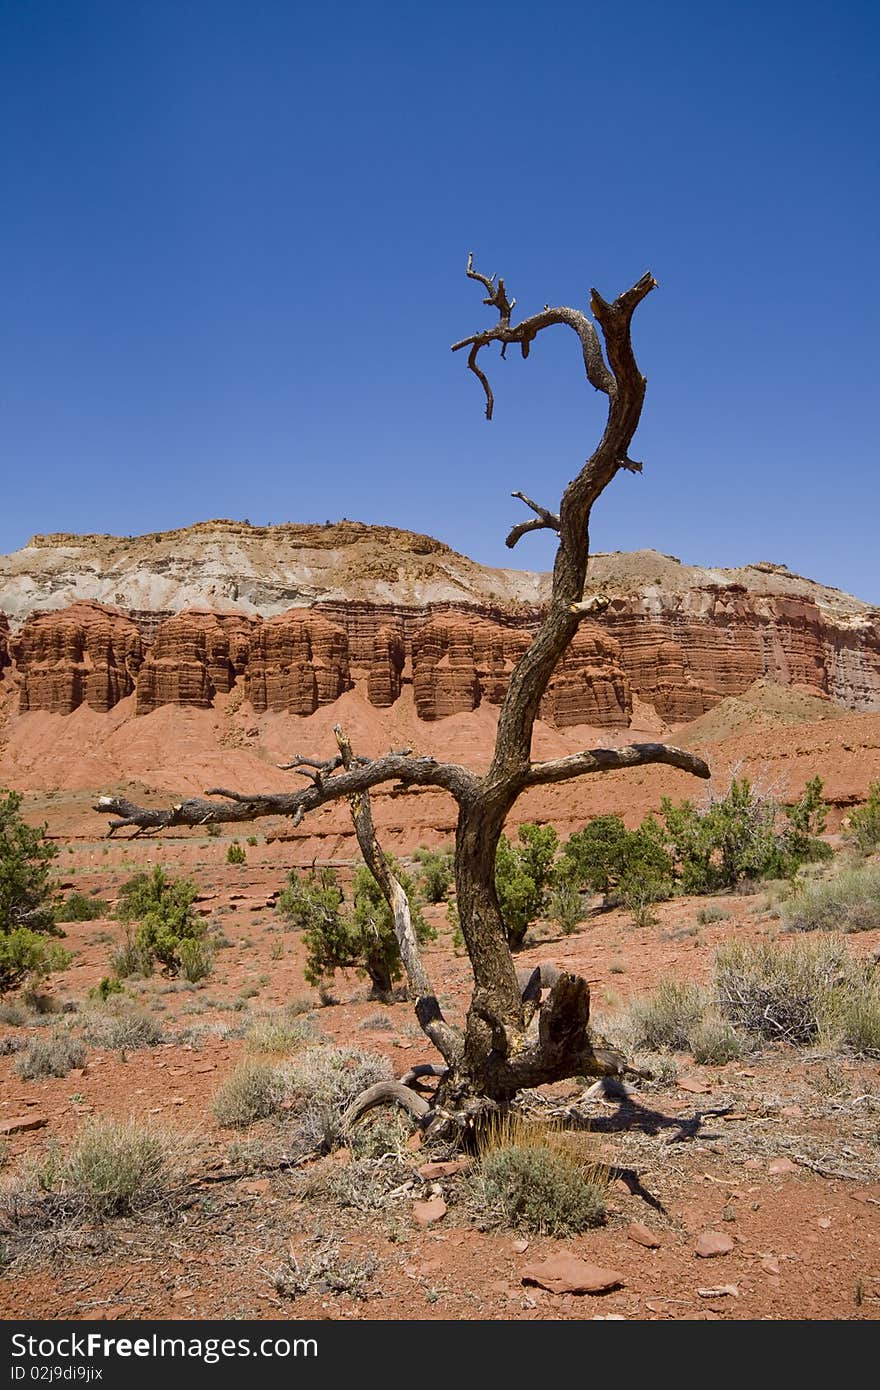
[(361, 937), (863, 828), (27, 914), (736, 839), (235, 854), (523, 878), (105, 988), (593, 856), (437, 872), (163, 909), (633, 867), (79, 907)]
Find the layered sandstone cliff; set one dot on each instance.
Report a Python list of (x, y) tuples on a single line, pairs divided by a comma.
[(673, 641), (194, 656), (297, 662), (87, 654)]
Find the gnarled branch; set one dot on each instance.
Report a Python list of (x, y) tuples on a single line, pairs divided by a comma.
[(524, 334), (544, 520), (247, 806), (612, 760)]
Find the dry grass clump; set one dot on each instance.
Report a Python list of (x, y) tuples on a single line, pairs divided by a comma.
[(539, 1178), (366, 1184), (800, 993), (111, 1168), (667, 1018), (714, 1042), (53, 1055), (846, 903), (313, 1088), (121, 1029), (253, 1091), (325, 1271), (278, 1034)]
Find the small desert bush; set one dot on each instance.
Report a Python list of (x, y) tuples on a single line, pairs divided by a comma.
[(377, 1023), (121, 1030), (787, 994), (236, 854), (712, 913), (325, 1271), (533, 1177), (668, 1017), (335, 1076), (196, 960), (14, 1013), (132, 958), (714, 1042), (566, 906), (54, 1055), (106, 987), (382, 1132), (855, 1018), (366, 1184), (863, 828), (253, 1091), (324, 1081), (437, 872), (110, 1169), (278, 1034), (78, 907), (163, 909), (849, 902)]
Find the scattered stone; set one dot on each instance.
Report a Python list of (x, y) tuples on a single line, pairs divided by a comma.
[(723, 1291), (566, 1273), (643, 1235), (711, 1243), (824, 1222), (520, 1247), (781, 1165), (258, 1185), (426, 1213), (770, 1266), (444, 1170), (692, 1083), (22, 1123), (414, 1141)]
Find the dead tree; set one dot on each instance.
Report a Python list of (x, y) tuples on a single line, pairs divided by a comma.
[(500, 1050)]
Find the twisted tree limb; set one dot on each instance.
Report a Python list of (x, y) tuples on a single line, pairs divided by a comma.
[(446, 1039)]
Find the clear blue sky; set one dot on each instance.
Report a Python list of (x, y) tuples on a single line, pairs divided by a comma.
[(234, 239)]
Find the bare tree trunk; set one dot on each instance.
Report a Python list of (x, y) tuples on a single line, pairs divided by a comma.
[(500, 1052)]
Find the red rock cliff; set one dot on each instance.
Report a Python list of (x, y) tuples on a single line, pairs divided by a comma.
[(195, 655), (86, 654), (297, 662)]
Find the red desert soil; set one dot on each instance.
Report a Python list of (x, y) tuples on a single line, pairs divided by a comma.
[(805, 1232)]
